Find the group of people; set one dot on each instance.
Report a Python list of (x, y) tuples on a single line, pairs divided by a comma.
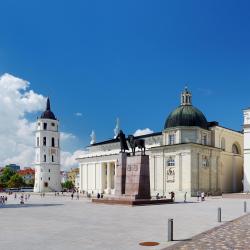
[(3, 200), (200, 195), (77, 195)]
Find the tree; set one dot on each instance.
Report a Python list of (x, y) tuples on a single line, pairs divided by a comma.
[(6, 175), (68, 185), (16, 181)]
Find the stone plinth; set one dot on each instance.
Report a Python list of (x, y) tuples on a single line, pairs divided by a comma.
[(137, 177), (131, 202), (120, 174)]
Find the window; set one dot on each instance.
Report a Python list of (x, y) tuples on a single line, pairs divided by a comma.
[(37, 141), (44, 141), (45, 184), (235, 149), (171, 139), (223, 144), (52, 158), (41, 178), (204, 140), (49, 170), (53, 124), (44, 158), (171, 162), (52, 142), (45, 126), (49, 178), (205, 162)]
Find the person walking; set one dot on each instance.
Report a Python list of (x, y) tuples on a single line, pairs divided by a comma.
[(185, 197), (202, 196), (198, 195)]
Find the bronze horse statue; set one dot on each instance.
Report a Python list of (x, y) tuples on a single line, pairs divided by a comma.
[(123, 142), (134, 143)]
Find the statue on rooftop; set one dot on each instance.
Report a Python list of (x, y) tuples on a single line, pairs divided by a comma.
[(93, 137)]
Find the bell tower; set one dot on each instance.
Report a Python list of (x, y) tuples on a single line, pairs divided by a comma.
[(47, 149), (246, 150)]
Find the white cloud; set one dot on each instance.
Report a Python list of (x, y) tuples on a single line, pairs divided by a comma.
[(16, 131), (66, 136), (144, 131), (68, 160), (78, 114)]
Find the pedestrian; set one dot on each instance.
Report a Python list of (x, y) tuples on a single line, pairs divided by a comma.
[(172, 195), (198, 195), (202, 196), (72, 196), (77, 195), (185, 197)]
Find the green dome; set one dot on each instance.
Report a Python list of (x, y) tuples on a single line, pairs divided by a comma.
[(186, 115)]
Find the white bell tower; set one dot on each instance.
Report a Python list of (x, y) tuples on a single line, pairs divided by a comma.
[(247, 150), (47, 159)]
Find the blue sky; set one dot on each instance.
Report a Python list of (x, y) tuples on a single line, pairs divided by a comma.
[(129, 59)]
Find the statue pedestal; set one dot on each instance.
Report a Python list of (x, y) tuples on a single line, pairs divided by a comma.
[(137, 177), (132, 183), (120, 177)]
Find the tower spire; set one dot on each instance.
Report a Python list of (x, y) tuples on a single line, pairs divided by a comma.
[(48, 104)]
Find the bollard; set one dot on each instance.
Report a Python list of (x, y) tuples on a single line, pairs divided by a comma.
[(219, 214), (245, 206), (170, 229)]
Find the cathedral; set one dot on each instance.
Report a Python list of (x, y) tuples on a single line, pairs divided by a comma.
[(189, 155)]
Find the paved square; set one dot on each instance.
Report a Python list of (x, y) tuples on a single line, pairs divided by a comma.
[(60, 223)]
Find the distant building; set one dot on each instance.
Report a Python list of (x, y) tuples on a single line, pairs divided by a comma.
[(28, 175), (77, 181), (64, 176), (72, 175), (14, 167)]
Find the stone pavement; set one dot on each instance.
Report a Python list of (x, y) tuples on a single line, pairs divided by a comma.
[(59, 223), (232, 235)]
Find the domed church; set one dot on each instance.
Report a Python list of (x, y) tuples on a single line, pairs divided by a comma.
[(190, 155)]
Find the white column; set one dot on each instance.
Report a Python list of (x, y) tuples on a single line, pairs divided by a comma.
[(109, 177)]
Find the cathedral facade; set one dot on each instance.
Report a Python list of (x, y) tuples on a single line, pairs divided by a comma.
[(189, 155)]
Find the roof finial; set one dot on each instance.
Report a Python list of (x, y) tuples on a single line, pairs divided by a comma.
[(186, 97), (48, 104)]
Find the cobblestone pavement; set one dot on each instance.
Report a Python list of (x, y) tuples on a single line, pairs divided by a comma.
[(232, 235)]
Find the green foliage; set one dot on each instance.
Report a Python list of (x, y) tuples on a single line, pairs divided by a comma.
[(30, 183), (68, 185), (5, 176), (16, 181)]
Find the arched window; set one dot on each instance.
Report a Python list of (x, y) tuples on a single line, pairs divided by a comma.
[(52, 142), (235, 149), (223, 144), (44, 141)]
